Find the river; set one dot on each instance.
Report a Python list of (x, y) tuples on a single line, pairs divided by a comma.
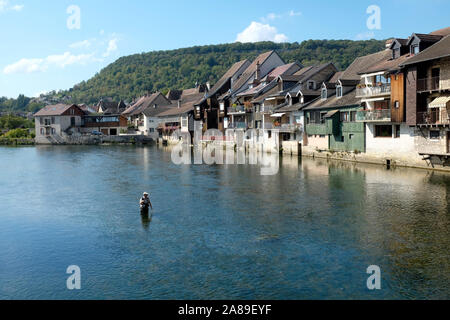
[(217, 232)]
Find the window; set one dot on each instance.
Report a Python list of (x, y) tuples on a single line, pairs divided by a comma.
[(415, 49), (311, 85), (383, 131), (53, 131), (352, 116), (72, 111), (53, 120), (382, 79), (397, 104), (270, 134), (42, 131), (344, 116), (397, 131), (339, 91), (41, 120), (184, 122), (351, 136), (324, 94), (435, 135)]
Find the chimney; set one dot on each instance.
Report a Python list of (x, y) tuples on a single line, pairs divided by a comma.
[(208, 85), (258, 71)]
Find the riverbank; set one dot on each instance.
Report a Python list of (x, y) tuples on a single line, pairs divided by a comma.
[(417, 162), (16, 142)]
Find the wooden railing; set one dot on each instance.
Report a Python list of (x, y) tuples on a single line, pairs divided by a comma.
[(383, 115)]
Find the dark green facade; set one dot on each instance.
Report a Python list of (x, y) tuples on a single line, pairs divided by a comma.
[(344, 133)]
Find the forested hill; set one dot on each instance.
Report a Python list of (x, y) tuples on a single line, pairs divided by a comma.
[(131, 76)]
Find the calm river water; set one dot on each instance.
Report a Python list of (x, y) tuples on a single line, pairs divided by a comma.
[(217, 232)]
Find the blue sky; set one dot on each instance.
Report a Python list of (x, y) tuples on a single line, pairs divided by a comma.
[(40, 50)]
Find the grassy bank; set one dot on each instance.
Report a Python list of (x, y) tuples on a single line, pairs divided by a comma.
[(16, 142)]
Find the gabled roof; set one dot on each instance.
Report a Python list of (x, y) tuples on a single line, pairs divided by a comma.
[(363, 63), (153, 112), (143, 103), (281, 71), (348, 99), (389, 65), (437, 51), (54, 110), (251, 70), (424, 37)]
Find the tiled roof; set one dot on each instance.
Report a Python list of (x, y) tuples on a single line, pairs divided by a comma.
[(441, 32), (348, 99), (142, 104), (388, 65), (53, 110), (250, 71), (436, 51), (187, 103), (363, 63)]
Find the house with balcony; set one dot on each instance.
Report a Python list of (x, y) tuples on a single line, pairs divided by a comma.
[(428, 98), (243, 110), (180, 115), (135, 113), (281, 108), (209, 109), (330, 121), (382, 94), (260, 68)]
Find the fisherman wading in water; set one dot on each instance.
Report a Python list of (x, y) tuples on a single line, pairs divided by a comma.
[(145, 204)]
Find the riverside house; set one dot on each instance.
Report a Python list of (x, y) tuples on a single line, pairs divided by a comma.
[(261, 67), (54, 121), (182, 115), (382, 94), (135, 113), (208, 109), (282, 110), (331, 121), (428, 95)]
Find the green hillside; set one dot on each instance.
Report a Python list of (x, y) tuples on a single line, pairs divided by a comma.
[(130, 77)]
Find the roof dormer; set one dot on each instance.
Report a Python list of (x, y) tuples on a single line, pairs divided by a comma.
[(399, 47)]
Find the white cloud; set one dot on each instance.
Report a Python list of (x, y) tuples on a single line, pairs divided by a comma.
[(257, 31), (81, 44), (112, 46), (25, 66), (41, 65), (365, 35), (5, 6)]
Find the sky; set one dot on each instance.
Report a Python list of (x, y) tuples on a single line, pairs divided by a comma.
[(54, 44)]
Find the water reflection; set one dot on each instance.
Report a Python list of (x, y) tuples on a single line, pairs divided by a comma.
[(146, 219), (221, 231)]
